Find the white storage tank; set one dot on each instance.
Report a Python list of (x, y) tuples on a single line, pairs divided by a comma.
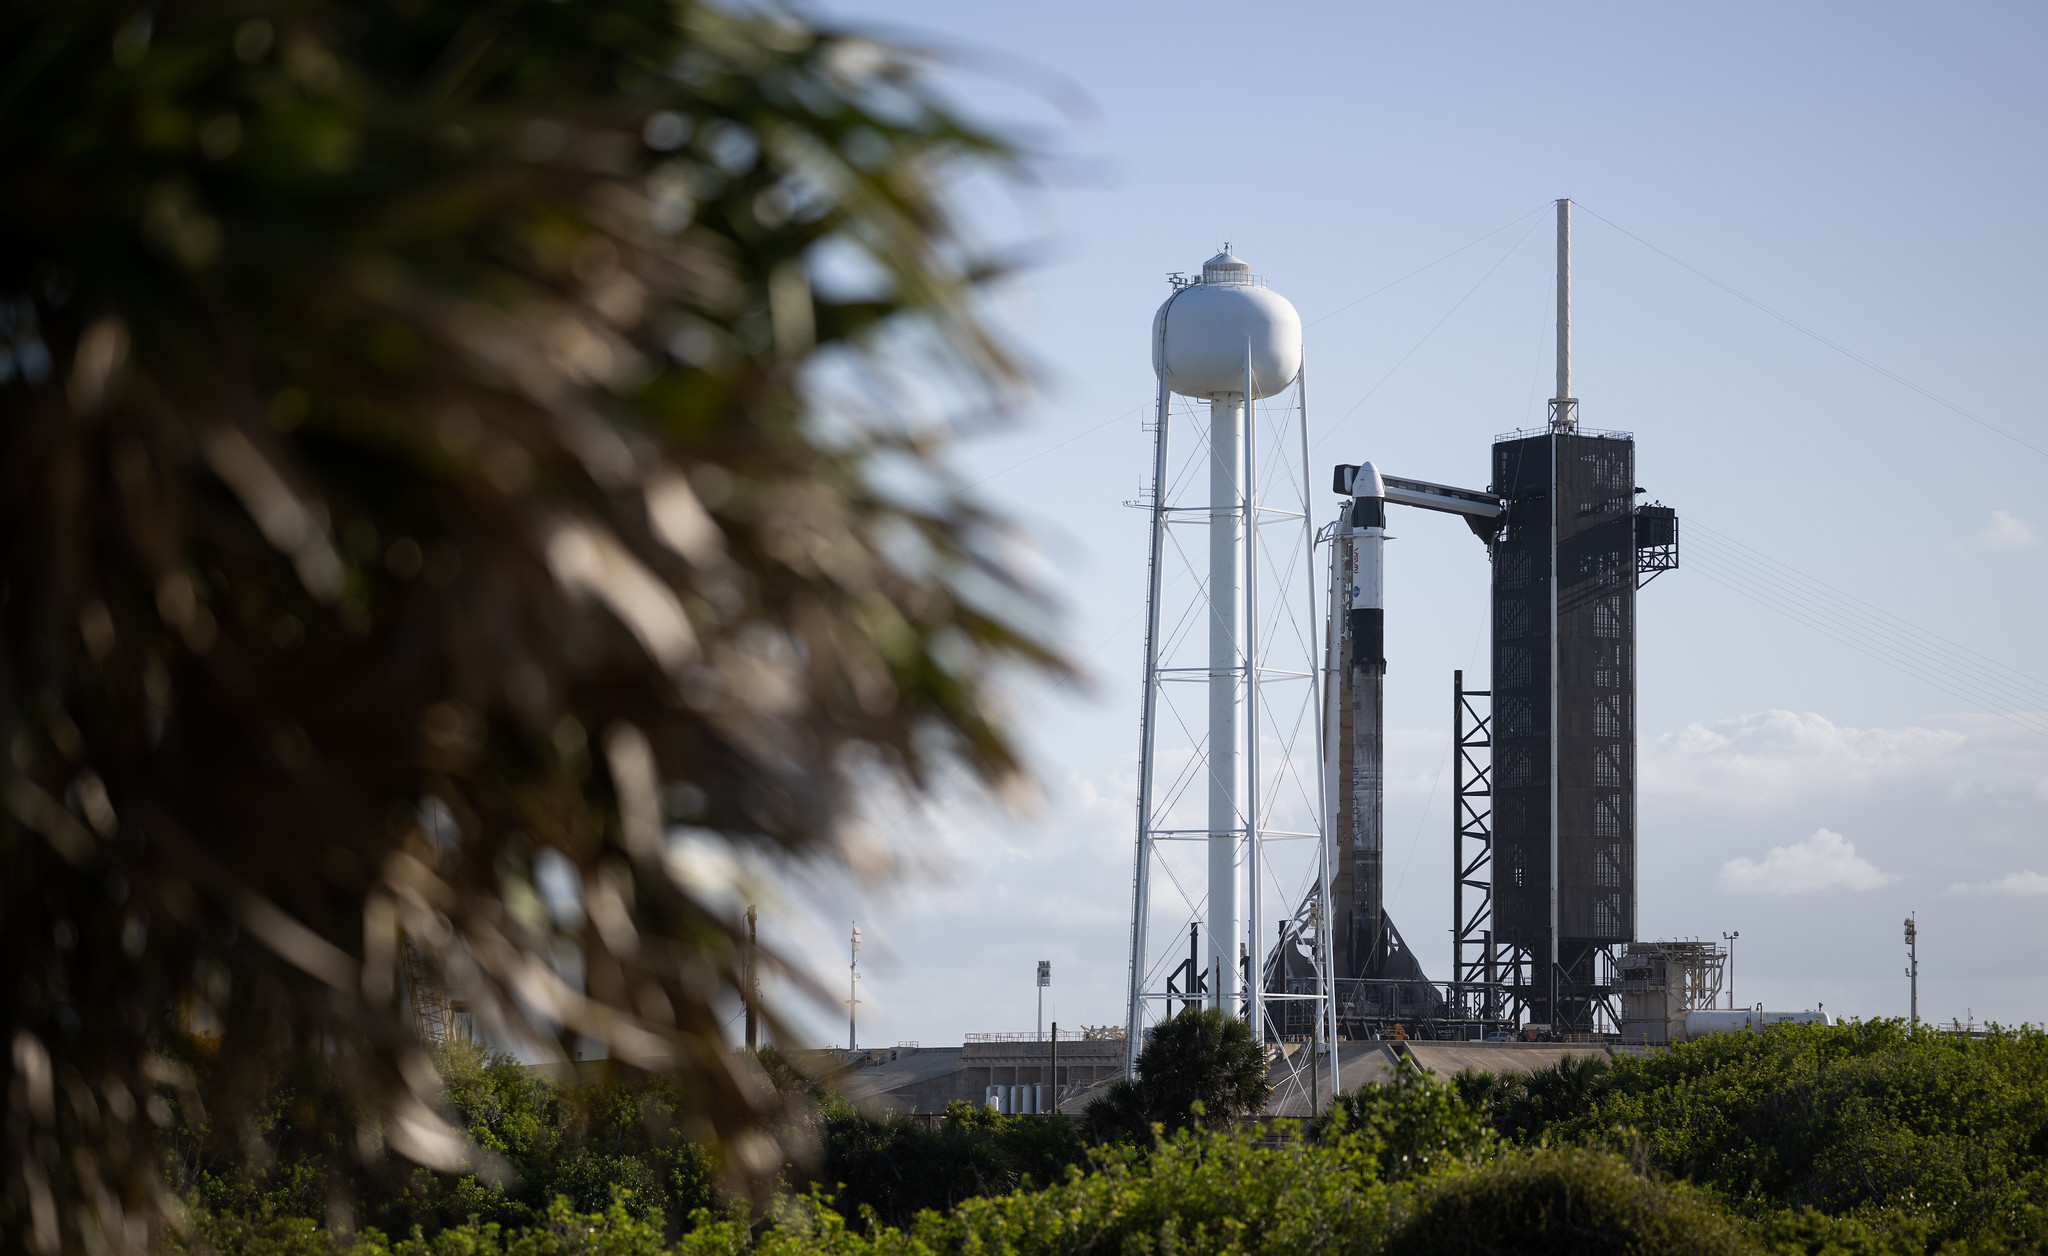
[(1199, 336), (1698, 1024)]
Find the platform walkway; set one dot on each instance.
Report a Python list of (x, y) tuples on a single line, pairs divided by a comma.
[(923, 1080)]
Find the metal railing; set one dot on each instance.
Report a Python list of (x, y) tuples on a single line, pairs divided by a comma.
[(1525, 433), (1106, 1033)]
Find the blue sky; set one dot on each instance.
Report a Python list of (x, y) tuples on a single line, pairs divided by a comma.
[(1873, 173)]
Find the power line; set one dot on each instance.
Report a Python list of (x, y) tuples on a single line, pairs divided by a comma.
[(1043, 452), (1869, 636), (2011, 676), (1867, 629), (1734, 584), (1836, 345), (1512, 222), (1329, 431), (1921, 665)]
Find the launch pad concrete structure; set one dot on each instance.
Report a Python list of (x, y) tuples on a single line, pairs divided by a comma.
[(923, 1081)]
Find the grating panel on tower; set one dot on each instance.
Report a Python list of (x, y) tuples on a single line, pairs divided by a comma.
[(1570, 505)]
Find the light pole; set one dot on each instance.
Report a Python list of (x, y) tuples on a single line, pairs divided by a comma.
[(753, 982), (1913, 968), (853, 991), (1729, 938), (1044, 980)]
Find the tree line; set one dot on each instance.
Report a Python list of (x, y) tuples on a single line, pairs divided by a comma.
[(1872, 1137)]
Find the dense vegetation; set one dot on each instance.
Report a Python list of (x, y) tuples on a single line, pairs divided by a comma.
[(894, 1167), (583, 1143), (1860, 1139), (1913, 1134), (443, 446), (1200, 1067)]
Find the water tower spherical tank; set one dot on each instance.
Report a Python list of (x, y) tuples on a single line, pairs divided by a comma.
[(1199, 335)]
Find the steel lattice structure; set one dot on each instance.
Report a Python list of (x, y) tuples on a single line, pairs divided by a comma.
[(437, 1016), (1276, 848)]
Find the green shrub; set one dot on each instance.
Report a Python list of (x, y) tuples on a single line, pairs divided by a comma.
[(1122, 1113), (1419, 1125), (1251, 1191), (1862, 1140), (1200, 1067), (1838, 1119), (1804, 1232), (584, 1142), (618, 1230), (1527, 1107), (261, 1232), (897, 1166), (1575, 1202), (1910, 1138)]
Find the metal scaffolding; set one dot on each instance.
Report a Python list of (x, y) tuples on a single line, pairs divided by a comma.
[(435, 1014), (1476, 992), (1281, 841)]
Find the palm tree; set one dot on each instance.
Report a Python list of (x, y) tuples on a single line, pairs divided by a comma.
[(1201, 1067), (443, 443)]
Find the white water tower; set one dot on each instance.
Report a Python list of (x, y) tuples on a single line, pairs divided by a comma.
[(1201, 336), (1227, 340)]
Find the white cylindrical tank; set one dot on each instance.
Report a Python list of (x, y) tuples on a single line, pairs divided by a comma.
[(1226, 695), (1199, 336), (1046, 1104), (994, 1104), (1698, 1024)]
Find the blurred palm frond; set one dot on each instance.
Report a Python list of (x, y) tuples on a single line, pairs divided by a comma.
[(420, 468)]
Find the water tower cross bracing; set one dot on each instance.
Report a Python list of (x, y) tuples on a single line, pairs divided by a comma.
[(1231, 613)]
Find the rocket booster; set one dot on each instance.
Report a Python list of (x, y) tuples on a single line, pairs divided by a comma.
[(1366, 603), (1359, 696)]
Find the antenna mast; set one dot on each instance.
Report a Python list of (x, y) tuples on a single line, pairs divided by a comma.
[(1564, 408), (853, 991), (1913, 972)]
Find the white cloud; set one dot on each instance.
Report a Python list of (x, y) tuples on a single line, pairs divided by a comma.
[(1763, 761), (2023, 884), (1825, 861), (1767, 761), (2006, 531)]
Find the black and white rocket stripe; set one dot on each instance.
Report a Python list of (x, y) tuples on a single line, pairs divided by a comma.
[(1361, 700)]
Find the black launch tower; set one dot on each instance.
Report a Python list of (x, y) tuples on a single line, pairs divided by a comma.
[(1572, 550)]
